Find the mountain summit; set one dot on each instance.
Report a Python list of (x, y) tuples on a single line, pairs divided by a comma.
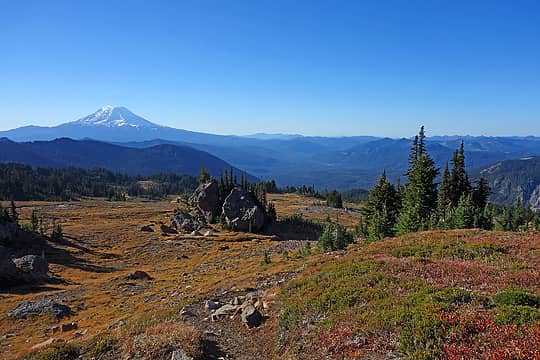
[(115, 116)]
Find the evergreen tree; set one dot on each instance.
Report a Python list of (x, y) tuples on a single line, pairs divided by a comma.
[(381, 210), (14, 215), (464, 215), (444, 204), (480, 193), (420, 197), (204, 176), (459, 180)]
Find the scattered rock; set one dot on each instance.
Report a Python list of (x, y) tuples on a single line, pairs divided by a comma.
[(225, 310), (212, 305), (242, 212), (180, 355), (53, 330), (186, 313), (28, 308), (116, 325), (147, 228), (251, 316), (69, 326), (167, 230), (139, 275), (47, 343), (275, 238)]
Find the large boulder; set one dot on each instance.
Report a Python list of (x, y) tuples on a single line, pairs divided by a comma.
[(187, 222), (47, 307), (29, 269), (251, 316), (206, 198), (241, 210)]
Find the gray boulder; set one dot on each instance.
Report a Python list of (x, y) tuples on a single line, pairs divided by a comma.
[(29, 269), (187, 222), (50, 307), (241, 211), (206, 198), (251, 316)]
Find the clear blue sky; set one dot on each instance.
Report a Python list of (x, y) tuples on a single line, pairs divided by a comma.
[(312, 67)]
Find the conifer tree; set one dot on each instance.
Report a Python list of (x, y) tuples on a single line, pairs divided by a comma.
[(420, 197), (381, 210), (443, 201), (464, 213)]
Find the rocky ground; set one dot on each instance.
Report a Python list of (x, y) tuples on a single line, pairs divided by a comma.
[(119, 268)]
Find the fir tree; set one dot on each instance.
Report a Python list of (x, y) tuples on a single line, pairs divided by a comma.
[(464, 213), (444, 204), (381, 210), (420, 197)]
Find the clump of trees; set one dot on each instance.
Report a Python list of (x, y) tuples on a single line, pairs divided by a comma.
[(422, 204), (334, 237), (22, 182)]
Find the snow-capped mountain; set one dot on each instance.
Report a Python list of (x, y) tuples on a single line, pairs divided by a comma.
[(115, 116)]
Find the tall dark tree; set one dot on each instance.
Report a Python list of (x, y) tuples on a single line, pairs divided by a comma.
[(459, 184), (381, 210), (420, 197), (444, 203)]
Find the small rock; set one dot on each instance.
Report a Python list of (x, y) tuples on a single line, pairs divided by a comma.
[(251, 316), (195, 233), (116, 325), (8, 335), (180, 355), (186, 313), (147, 228), (47, 343), (53, 330), (275, 238), (167, 230), (212, 305), (225, 310), (69, 326), (224, 247), (139, 275), (209, 233)]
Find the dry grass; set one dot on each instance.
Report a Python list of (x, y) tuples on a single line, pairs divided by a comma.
[(160, 340), (103, 244)]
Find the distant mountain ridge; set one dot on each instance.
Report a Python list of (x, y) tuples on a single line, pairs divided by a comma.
[(511, 180), (290, 159), (89, 154)]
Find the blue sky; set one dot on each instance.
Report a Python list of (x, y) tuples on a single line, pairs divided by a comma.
[(310, 67)]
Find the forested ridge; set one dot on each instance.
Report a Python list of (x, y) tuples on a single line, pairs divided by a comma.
[(22, 182)]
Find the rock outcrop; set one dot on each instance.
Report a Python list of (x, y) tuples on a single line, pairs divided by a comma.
[(206, 198), (187, 222), (241, 211), (28, 269), (47, 307)]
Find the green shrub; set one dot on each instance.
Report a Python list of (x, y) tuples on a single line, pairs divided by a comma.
[(516, 314), (517, 297), (334, 237), (56, 352), (422, 335)]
